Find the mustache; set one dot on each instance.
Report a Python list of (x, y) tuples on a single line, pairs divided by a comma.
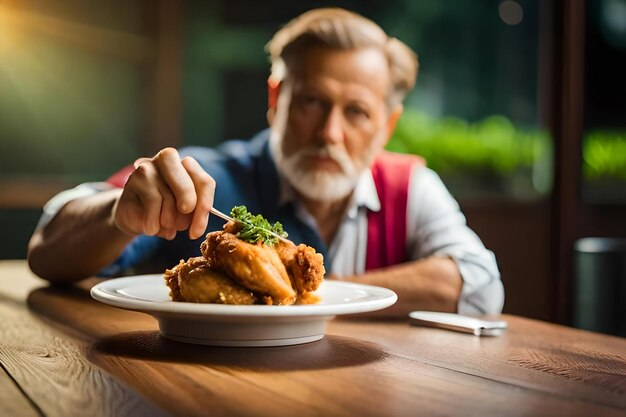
[(338, 155)]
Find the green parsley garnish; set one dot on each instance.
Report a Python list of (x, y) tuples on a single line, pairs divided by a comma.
[(256, 228)]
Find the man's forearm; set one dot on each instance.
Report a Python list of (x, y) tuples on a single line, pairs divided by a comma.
[(429, 284), (80, 240)]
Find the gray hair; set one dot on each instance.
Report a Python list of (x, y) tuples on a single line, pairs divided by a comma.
[(341, 29)]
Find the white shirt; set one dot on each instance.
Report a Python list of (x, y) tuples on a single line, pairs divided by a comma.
[(435, 227)]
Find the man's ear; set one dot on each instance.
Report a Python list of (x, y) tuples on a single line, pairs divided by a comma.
[(273, 90), (393, 120)]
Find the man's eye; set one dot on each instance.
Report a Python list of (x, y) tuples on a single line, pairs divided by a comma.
[(311, 101), (357, 111)]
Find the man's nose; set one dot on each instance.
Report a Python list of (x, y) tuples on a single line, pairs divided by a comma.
[(332, 129)]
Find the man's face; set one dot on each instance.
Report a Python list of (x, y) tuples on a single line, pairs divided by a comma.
[(337, 121)]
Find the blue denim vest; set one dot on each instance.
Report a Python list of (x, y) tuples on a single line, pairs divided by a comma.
[(245, 174)]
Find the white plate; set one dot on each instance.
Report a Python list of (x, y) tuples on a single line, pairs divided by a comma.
[(240, 325)]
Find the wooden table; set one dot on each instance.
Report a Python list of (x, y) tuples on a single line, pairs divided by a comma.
[(65, 354)]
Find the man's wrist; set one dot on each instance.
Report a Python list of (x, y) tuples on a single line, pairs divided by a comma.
[(112, 217)]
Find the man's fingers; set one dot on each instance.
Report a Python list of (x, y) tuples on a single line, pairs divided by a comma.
[(205, 190), (168, 208), (143, 185), (182, 221), (168, 234), (198, 224), (140, 161), (169, 166), (175, 194)]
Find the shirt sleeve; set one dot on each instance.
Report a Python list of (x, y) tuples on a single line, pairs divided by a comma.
[(437, 227), (137, 251), (56, 203)]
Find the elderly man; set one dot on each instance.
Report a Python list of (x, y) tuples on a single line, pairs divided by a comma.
[(336, 92)]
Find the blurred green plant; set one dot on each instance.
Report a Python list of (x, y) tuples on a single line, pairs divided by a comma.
[(494, 148), (604, 155), (451, 146)]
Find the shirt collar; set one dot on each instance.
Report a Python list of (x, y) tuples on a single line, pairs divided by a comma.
[(365, 194)]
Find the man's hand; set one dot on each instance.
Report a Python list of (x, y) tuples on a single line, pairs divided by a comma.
[(165, 194), (433, 283)]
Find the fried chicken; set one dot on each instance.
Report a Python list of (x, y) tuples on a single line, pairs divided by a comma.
[(195, 282), (254, 266), (231, 271), (304, 265)]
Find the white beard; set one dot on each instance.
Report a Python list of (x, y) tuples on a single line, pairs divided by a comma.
[(320, 185)]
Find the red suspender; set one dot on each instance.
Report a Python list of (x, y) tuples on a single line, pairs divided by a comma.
[(386, 229), (120, 177)]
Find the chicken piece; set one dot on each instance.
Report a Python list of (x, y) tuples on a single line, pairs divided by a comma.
[(193, 281), (171, 280), (254, 266), (304, 265), (308, 298)]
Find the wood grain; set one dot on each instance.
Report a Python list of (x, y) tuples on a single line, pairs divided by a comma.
[(52, 370), (377, 370), (321, 378), (592, 368), (531, 354), (12, 401), (93, 358)]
